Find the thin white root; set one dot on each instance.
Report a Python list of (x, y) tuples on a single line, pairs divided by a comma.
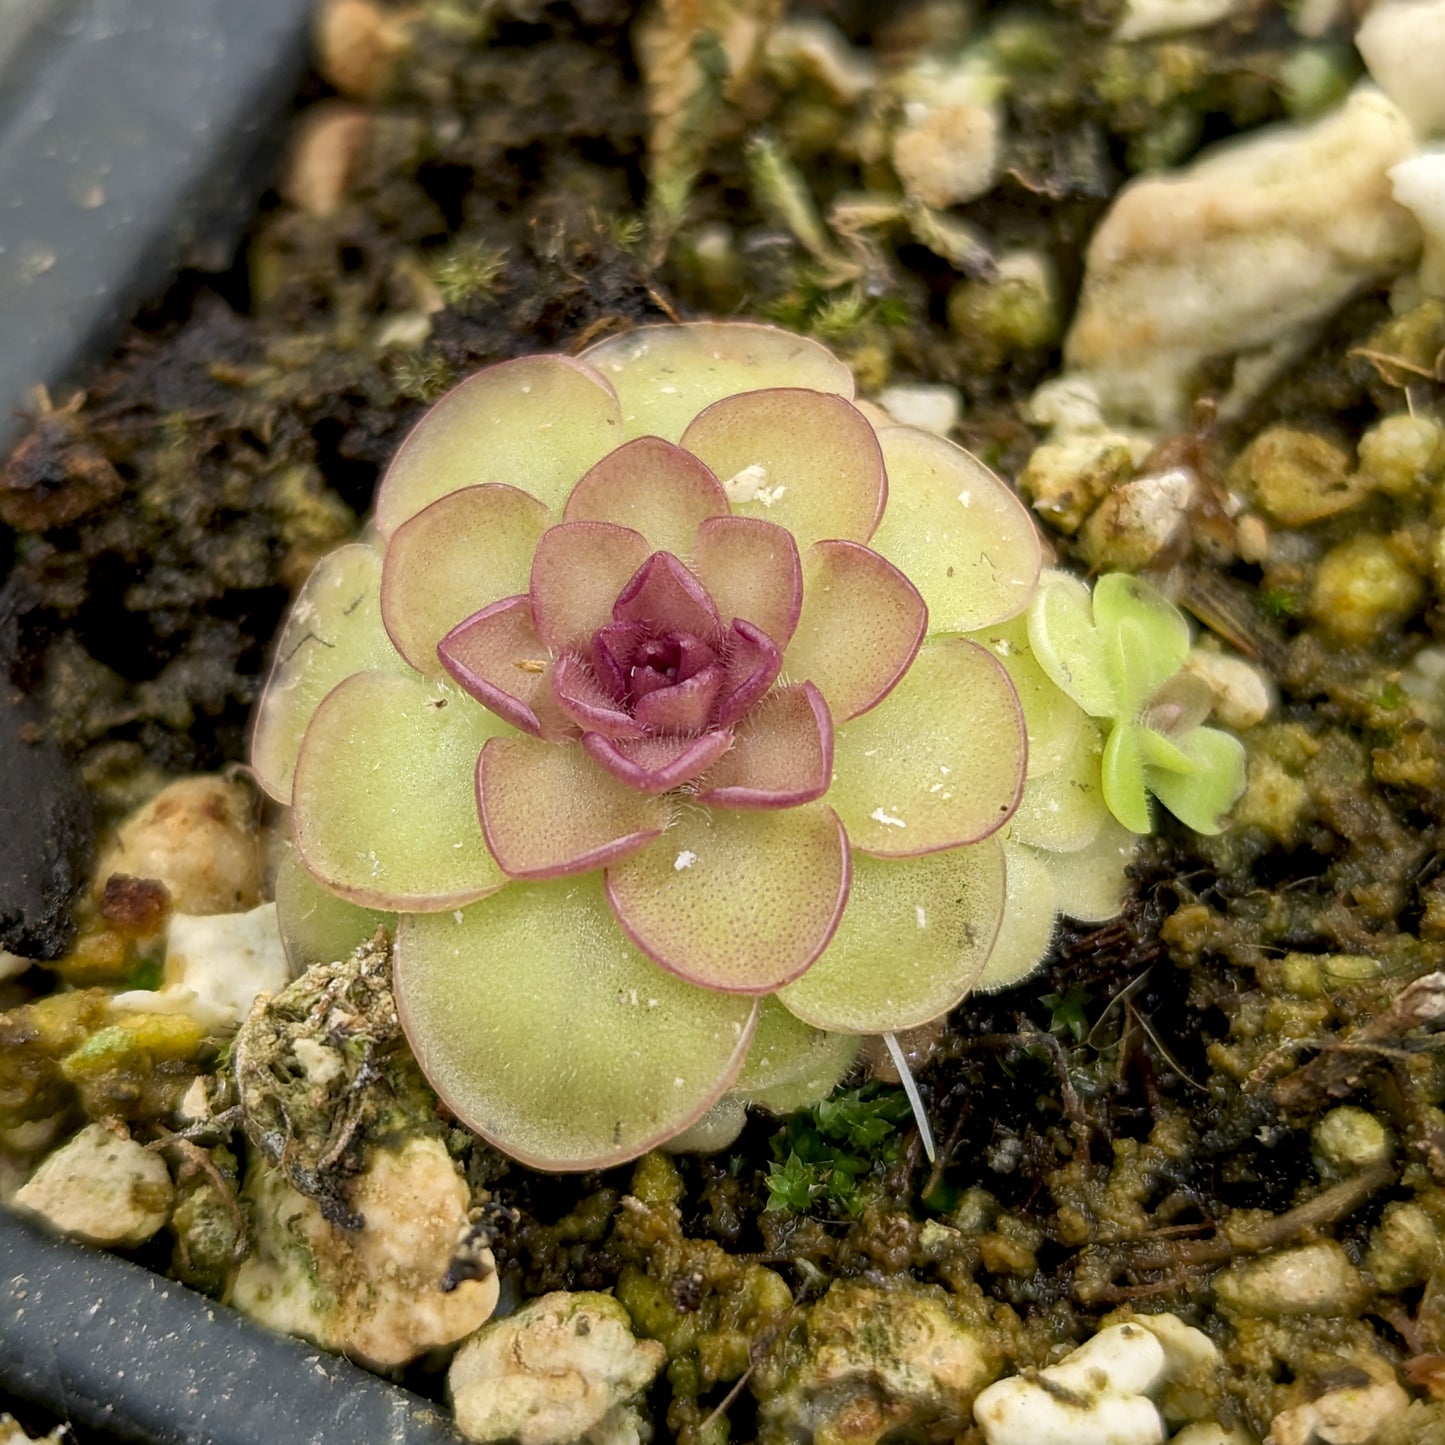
[(915, 1101)]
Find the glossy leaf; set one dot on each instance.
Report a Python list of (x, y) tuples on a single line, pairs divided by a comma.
[(653, 487), (1125, 786), (940, 763), (577, 572), (958, 533), (1064, 809), (382, 812), (537, 423), (1067, 646), (1053, 719), (665, 375), (751, 570), (334, 630), (1201, 799), (916, 934), (740, 901), (657, 764), (451, 560), (547, 810), (805, 460), (543, 1030), (791, 1064), (781, 754), (1030, 916), (861, 626), (497, 657), (316, 926)]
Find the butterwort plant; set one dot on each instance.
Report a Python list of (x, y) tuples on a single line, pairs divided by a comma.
[(680, 709)]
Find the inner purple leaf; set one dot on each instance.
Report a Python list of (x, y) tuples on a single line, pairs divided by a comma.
[(752, 662), (657, 764), (663, 593)]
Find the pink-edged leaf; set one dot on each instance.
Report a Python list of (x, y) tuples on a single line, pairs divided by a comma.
[(739, 901), (582, 697), (577, 572), (547, 810), (782, 754), (861, 626), (333, 631), (940, 763), (497, 657), (665, 375), (382, 811), (683, 707), (547, 1033), (753, 664), (916, 934), (456, 556), (805, 459), (666, 596), (537, 423), (653, 486), (657, 765), (751, 570), (960, 534)]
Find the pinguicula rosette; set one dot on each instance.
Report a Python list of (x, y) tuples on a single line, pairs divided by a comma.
[(682, 710)]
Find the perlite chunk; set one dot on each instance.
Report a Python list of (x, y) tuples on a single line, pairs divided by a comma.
[(373, 1293), (101, 1187), (564, 1368)]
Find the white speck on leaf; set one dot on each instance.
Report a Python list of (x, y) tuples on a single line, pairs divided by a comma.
[(887, 819), (920, 915), (685, 859)]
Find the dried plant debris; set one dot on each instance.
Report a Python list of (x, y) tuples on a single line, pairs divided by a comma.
[(321, 1072)]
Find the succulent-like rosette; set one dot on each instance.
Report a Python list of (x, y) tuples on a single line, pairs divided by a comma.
[(666, 705)]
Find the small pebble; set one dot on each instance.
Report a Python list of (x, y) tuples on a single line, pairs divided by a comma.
[(101, 1188)]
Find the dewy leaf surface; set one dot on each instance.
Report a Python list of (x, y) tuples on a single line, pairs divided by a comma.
[(544, 1030), (806, 460), (1201, 799), (861, 625), (547, 809), (791, 1064), (751, 570), (1067, 645), (537, 423), (740, 901), (654, 487), (939, 763), (1030, 913), (1053, 718), (782, 754), (1092, 883), (333, 631), (382, 812), (497, 657), (1146, 638), (577, 572), (914, 937), (317, 926), (959, 534), (665, 375), (1064, 809), (1125, 787), (451, 560)]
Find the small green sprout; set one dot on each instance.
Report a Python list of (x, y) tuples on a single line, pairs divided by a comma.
[(1120, 656), (824, 1154), (1068, 1012)]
